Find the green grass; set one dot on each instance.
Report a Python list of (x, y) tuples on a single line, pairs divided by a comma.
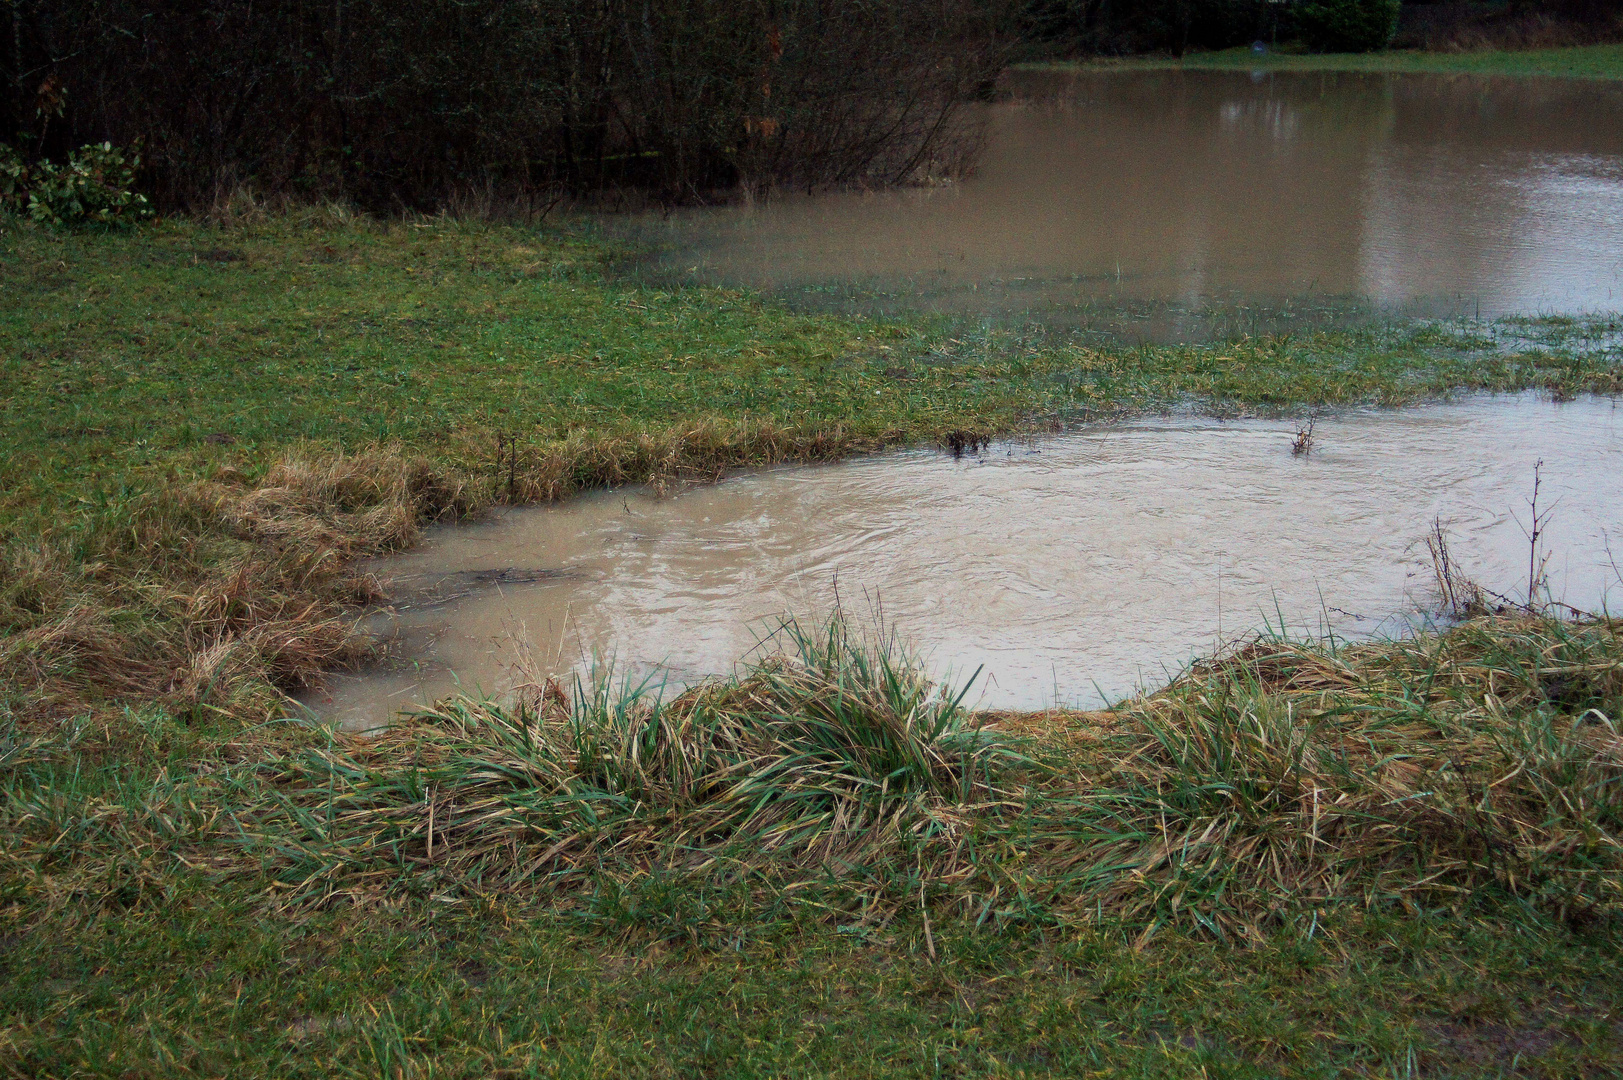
[(1464, 923), (204, 987), (1578, 62), (128, 361), (204, 427)]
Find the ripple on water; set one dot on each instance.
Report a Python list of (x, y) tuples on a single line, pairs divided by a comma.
[(1071, 568)]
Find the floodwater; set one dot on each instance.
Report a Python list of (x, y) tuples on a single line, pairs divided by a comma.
[(1174, 205), (1071, 569)]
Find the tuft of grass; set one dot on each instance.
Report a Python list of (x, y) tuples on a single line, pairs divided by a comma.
[(833, 751), (1417, 771), (1286, 776)]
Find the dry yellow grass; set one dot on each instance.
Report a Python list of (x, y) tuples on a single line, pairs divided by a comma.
[(224, 593)]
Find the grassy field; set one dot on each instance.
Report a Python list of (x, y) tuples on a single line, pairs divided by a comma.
[(1580, 62), (1390, 862)]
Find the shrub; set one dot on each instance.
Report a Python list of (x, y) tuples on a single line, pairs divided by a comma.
[(1347, 25), (95, 187), (392, 103)]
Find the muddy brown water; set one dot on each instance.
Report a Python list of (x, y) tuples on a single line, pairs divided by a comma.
[(1171, 205), (1072, 568)]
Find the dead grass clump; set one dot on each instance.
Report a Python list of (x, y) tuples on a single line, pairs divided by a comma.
[(212, 594), (702, 452), (1411, 771), (348, 504)]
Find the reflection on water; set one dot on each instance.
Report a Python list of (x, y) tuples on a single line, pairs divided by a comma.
[(1153, 204), (1074, 567)]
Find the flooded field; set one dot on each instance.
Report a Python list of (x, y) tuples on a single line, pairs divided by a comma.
[(1071, 569), (1172, 205)]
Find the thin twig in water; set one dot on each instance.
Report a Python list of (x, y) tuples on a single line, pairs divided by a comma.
[(1610, 558), (1304, 438), (1537, 578), (1459, 596)]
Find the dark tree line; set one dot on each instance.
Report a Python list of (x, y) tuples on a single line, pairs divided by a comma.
[(394, 103), (1131, 26), (401, 102)]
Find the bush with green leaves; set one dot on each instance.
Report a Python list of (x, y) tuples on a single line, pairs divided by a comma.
[(95, 187), (1347, 25)]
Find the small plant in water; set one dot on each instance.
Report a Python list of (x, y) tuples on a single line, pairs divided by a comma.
[(1458, 596), (1537, 561), (959, 443), (1304, 438)]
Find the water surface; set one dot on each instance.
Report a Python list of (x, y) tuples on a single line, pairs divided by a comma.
[(1178, 204), (1071, 569)]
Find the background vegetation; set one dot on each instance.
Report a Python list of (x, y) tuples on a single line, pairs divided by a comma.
[(393, 104), (1118, 28), (1581, 62), (519, 103)]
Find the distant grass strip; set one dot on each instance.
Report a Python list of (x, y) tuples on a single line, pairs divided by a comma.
[(128, 362), (1576, 62)]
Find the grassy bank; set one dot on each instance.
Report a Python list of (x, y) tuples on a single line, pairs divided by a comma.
[(1579, 62), (1383, 860), (1298, 860)]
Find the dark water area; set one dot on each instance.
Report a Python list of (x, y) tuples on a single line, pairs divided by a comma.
[(1071, 570), (1175, 205)]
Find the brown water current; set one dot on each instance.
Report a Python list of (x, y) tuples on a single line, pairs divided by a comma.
[(1180, 204), (1071, 568)]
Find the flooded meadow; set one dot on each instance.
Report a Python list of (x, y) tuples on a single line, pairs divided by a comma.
[(1068, 570)]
